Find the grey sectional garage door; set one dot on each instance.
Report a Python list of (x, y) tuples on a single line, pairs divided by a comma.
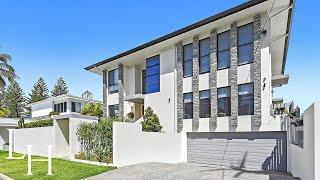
[(247, 150)]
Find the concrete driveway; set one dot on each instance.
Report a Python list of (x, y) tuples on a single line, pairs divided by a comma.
[(159, 171)]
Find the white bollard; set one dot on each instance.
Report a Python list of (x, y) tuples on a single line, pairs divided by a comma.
[(49, 160), (10, 143), (29, 160)]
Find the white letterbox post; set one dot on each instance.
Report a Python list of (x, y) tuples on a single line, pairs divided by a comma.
[(29, 160), (10, 143)]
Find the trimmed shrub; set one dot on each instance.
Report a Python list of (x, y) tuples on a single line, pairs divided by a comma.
[(92, 109), (96, 140), (52, 113), (150, 121), (39, 123)]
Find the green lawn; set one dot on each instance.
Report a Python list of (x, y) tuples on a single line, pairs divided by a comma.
[(61, 169)]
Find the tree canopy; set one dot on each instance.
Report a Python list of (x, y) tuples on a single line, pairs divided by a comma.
[(59, 88), (39, 91)]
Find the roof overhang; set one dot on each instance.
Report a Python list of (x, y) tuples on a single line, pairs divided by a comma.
[(279, 80), (136, 98), (280, 24), (9, 122)]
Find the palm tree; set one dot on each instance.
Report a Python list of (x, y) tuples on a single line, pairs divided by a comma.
[(7, 72)]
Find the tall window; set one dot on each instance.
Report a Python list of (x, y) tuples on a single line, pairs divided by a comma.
[(113, 110), (187, 60), (246, 99), (188, 106), (75, 107), (60, 107), (113, 81), (224, 50), (205, 105), (152, 74), (245, 44), (143, 81), (224, 102), (204, 56)]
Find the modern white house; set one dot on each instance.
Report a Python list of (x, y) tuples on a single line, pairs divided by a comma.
[(211, 81), (64, 104)]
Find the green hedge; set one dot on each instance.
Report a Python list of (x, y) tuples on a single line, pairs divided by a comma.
[(39, 123)]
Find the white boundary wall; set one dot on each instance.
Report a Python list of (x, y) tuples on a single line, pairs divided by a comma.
[(305, 162), (132, 146), (38, 137)]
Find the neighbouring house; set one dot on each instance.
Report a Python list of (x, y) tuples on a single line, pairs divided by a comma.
[(5, 124), (212, 81), (64, 104)]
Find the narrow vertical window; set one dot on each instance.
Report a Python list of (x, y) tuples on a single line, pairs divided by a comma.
[(245, 44), (152, 75), (188, 106), (224, 102), (224, 50), (113, 81), (204, 60), (113, 110), (205, 105), (187, 60), (246, 99)]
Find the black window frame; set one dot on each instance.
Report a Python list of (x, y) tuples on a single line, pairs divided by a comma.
[(205, 104), (246, 97), (74, 107), (187, 60), (245, 44), (60, 107), (187, 112), (225, 101), (224, 50), (203, 56), (112, 84), (113, 107), (152, 75)]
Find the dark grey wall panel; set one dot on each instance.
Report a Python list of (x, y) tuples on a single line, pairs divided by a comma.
[(246, 150)]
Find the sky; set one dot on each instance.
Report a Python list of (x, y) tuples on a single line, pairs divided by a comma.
[(58, 38)]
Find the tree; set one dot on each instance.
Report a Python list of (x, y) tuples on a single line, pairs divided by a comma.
[(150, 121), (92, 109), (7, 72), (39, 91), (87, 95), (59, 88), (14, 100)]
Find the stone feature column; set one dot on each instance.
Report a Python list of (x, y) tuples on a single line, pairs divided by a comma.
[(257, 69), (195, 84), (179, 88), (234, 74), (213, 80), (105, 93), (121, 92)]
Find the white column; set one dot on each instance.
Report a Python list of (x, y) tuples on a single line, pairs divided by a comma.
[(49, 160), (29, 160), (10, 143)]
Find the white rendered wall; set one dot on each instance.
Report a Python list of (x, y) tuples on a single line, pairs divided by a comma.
[(38, 137), (305, 162), (4, 136), (132, 146), (42, 109), (163, 102)]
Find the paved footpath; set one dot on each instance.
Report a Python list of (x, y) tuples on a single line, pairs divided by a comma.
[(187, 171)]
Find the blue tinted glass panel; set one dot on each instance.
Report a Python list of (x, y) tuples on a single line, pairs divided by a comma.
[(153, 61), (245, 89), (153, 88), (205, 47), (152, 70), (224, 41), (245, 34), (187, 52), (245, 54), (187, 68), (155, 79), (205, 94), (224, 92), (224, 59), (205, 64), (187, 97)]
